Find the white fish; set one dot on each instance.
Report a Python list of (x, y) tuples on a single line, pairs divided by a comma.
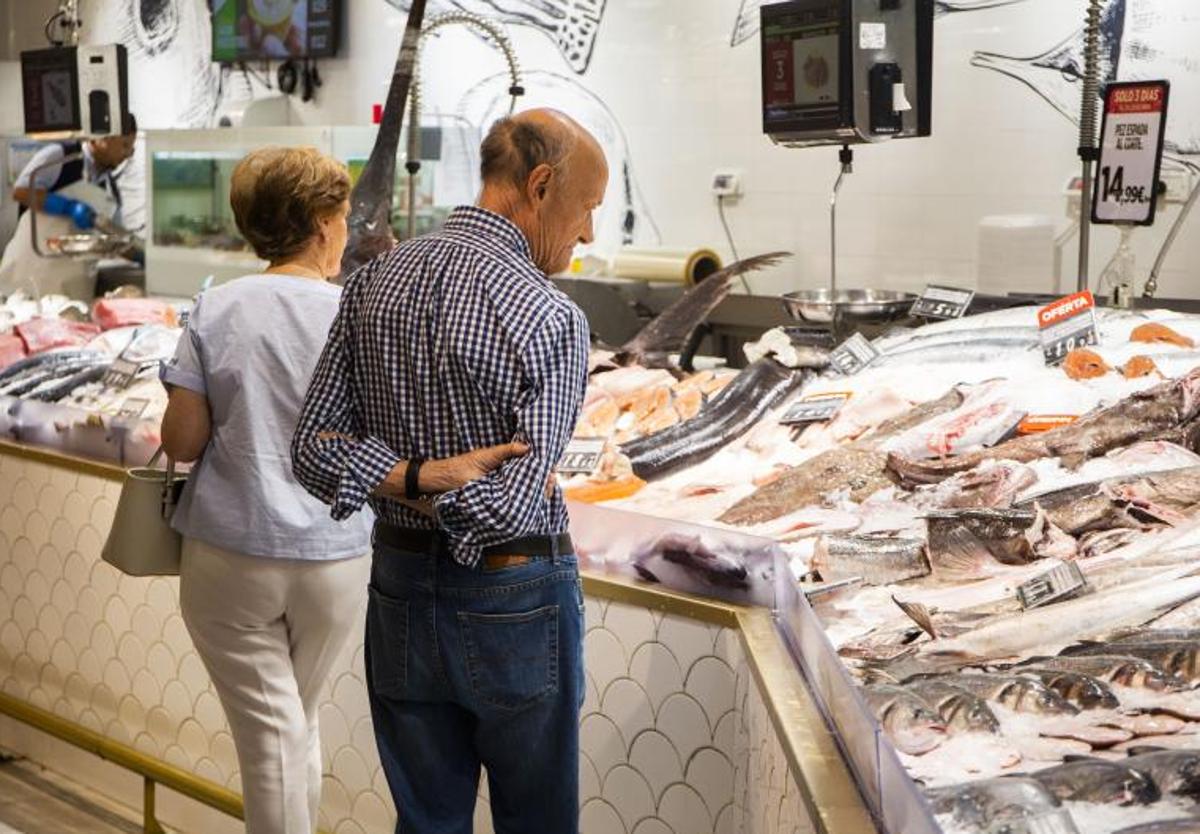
[(1140, 40)]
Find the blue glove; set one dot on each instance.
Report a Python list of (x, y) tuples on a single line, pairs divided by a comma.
[(81, 214)]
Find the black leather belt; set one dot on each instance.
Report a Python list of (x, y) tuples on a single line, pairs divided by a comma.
[(407, 538)]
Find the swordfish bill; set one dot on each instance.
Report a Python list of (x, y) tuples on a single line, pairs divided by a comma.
[(370, 227)]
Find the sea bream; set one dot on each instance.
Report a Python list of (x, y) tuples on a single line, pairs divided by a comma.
[(987, 804), (1180, 658), (963, 711), (1173, 771), (1099, 780), (907, 720)]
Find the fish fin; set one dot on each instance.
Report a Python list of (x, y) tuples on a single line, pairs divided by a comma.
[(1079, 757), (1072, 461), (671, 328), (919, 614), (1143, 749), (959, 555), (1077, 647)]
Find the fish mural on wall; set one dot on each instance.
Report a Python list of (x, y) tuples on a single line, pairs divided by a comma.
[(1140, 39), (571, 24), (745, 26)]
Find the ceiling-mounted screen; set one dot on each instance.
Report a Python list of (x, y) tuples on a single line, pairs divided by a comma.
[(249, 30)]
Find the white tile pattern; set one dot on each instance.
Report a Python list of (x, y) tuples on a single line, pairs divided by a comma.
[(675, 738)]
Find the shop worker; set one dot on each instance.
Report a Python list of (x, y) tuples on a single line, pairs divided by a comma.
[(269, 584), (475, 614), (71, 183)]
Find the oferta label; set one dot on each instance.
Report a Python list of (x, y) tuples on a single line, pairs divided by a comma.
[(1066, 325)]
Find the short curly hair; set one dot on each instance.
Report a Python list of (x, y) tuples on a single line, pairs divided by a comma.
[(279, 195)]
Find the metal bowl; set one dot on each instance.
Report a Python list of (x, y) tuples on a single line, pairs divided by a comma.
[(859, 305), (85, 245)]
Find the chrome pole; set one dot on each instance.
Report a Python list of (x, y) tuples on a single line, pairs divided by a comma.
[(1087, 135)]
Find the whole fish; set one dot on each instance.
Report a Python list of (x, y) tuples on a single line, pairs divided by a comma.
[(1083, 691), (1180, 658), (987, 804), (1186, 825), (50, 358), (911, 725), (965, 351), (1020, 694), (54, 390), (946, 335), (963, 711), (1173, 771), (1156, 635), (879, 560), (1098, 780), (1161, 412), (756, 390), (39, 376), (969, 544), (369, 223), (1134, 502), (676, 554), (1122, 670)]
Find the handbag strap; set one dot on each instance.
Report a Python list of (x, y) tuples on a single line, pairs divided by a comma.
[(168, 491)]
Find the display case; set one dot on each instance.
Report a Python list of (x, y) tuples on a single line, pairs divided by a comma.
[(192, 238)]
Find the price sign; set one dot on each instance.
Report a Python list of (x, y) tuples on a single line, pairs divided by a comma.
[(1131, 148), (814, 409), (133, 408), (1067, 324), (121, 373), (942, 303), (1055, 585), (852, 355), (582, 456)]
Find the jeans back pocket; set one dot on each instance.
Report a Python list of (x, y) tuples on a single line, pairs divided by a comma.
[(512, 659), (387, 643)]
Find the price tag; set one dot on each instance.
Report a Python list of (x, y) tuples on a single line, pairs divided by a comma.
[(133, 408), (942, 303), (121, 373), (582, 456), (852, 355), (1038, 423), (1131, 149), (1057, 584), (814, 409), (1067, 324)]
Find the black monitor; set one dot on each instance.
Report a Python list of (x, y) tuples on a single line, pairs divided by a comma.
[(251, 30)]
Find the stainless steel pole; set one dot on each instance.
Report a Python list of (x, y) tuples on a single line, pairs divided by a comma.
[(1087, 135)]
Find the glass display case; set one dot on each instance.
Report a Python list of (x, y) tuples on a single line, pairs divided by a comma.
[(192, 238)]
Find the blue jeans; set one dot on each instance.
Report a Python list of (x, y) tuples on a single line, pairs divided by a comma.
[(469, 667)]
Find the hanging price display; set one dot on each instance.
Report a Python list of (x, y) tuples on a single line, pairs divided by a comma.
[(942, 303), (814, 409), (1066, 325), (852, 355), (1131, 148), (582, 456)]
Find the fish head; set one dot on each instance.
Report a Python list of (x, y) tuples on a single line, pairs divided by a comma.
[(1186, 777), (914, 729)]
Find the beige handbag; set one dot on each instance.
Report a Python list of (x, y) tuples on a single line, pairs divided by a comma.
[(141, 541)]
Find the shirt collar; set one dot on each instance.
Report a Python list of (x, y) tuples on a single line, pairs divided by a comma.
[(478, 221)]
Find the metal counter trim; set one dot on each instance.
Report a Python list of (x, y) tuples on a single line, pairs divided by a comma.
[(71, 463)]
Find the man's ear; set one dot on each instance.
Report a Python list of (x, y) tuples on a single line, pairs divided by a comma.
[(538, 183)]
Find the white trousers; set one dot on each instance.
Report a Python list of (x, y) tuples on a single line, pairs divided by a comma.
[(268, 631)]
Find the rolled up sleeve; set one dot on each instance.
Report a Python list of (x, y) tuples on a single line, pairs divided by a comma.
[(186, 368)]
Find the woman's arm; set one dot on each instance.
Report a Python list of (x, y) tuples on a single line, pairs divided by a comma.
[(186, 426)]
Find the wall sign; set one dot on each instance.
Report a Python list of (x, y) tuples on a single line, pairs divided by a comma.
[(942, 303), (1131, 149), (1067, 324)]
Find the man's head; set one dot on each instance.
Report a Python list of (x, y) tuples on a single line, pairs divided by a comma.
[(111, 151), (546, 174)]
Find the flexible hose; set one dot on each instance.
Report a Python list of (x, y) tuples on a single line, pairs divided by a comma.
[(1087, 134)]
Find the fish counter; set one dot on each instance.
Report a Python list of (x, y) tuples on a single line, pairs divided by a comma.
[(1000, 548)]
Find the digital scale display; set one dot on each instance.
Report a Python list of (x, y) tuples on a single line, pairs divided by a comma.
[(803, 83)]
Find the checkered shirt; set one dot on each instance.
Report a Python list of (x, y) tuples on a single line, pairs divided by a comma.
[(449, 342)]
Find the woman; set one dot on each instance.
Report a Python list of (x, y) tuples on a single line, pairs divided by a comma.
[(269, 583)]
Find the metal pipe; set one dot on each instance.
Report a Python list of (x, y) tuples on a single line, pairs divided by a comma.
[(846, 157), (500, 38), (1152, 282), (1087, 135)]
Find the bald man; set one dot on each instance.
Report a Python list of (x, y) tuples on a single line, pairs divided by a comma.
[(451, 342)]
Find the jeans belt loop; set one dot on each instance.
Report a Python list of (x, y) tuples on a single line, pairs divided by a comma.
[(553, 549)]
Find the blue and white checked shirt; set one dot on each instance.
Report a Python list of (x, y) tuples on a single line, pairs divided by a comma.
[(449, 342)]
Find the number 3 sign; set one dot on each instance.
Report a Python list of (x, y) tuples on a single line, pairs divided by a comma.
[(1131, 148)]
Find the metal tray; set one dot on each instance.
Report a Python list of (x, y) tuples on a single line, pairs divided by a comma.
[(860, 305)]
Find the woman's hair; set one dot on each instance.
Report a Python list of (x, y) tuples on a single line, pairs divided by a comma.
[(280, 194)]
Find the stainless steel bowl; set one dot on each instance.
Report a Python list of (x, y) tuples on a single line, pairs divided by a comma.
[(88, 245), (858, 305)]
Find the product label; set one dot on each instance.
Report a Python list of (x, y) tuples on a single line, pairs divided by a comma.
[(814, 409), (942, 303), (582, 456), (121, 373), (872, 36), (852, 355), (133, 408), (1038, 423), (1055, 585), (1131, 148), (1067, 324)]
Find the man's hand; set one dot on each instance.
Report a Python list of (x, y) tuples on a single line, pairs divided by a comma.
[(452, 473)]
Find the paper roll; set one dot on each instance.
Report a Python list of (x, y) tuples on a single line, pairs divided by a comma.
[(681, 266)]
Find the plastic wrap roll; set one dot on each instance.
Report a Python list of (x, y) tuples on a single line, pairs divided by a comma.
[(681, 266)]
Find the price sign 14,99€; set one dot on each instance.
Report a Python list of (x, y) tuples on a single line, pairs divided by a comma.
[(1131, 148)]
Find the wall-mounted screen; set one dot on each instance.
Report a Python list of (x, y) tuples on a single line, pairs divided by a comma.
[(249, 30)]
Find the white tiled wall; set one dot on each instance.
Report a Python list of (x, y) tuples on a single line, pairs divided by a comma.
[(674, 735)]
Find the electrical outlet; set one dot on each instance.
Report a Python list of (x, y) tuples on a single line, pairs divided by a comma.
[(1179, 185), (727, 183)]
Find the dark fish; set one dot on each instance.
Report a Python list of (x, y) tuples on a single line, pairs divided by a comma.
[(962, 711), (1159, 413), (54, 392), (36, 377), (1136, 502), (756, 390), (911, 725), (696, 560), (1076, 688), (989, 803), (1157, 635), (671, 328), (1019, 694), (1115, 668), (1174, 771), (1189, 825), (369, 222), (1099, 780), (1179, 658), (964, 544), (44, 360), (858, 467), (879, 560)]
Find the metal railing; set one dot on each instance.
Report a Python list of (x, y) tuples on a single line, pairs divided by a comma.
[(152, 771)]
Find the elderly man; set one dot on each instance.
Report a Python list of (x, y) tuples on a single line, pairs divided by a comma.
[(451, 342)]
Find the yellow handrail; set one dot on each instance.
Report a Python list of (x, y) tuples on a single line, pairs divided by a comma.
[(149, 768)]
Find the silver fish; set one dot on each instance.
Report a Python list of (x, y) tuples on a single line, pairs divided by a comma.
[(1140, 39), (911, 725), (987, 804), (1180, 658), (1076, 688), (1020, 694), (1122, 670), (963, 711), (879, 560), (1097, 780), (571, 24)]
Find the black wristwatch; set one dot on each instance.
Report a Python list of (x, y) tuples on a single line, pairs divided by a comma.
[(412, 474)]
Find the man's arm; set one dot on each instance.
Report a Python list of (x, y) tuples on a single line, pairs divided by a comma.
[(511, 502), (29, 189)]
